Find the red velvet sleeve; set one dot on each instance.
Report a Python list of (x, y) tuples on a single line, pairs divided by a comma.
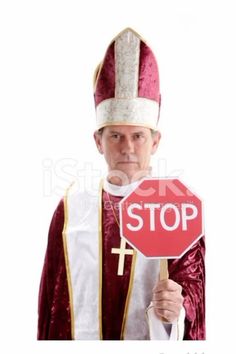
[(53, 308), (189, 272)]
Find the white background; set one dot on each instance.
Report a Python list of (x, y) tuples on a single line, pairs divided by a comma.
[(48, 51)]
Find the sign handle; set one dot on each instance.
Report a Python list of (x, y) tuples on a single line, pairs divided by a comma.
[(164, 274)]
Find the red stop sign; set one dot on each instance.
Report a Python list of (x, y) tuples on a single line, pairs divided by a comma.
[(161, 218)]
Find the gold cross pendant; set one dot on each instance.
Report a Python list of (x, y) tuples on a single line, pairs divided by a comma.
[(122, 251)]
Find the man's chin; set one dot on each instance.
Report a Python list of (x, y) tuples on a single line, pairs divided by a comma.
[(131, 172), (126, 176)]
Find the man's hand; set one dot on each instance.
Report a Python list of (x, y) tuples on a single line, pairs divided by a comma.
[(167, 300)]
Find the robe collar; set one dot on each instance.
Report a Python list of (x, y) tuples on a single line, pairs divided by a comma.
[(120, 191)]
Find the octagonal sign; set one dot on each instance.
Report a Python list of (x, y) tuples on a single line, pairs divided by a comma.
[(161, 218)]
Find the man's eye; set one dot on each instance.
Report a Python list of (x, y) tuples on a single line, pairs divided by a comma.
[(115, 136)]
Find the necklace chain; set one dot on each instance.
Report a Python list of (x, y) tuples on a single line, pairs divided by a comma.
[(122, 251), (112, 208)]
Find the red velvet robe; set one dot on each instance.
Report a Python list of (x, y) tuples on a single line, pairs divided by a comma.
[(54, 321)]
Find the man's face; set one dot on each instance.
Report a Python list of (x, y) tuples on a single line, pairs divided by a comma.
[(127, 149)]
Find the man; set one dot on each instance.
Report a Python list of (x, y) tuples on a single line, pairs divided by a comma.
[(94, 285)]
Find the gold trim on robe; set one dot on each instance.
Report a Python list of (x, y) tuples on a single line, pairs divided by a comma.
[(69, 282), (131, 281), (100, 258)]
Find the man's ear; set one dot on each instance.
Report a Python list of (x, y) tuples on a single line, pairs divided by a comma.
[(156, 139), (98, 140)]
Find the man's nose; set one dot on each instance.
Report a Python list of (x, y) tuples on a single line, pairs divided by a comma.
[(127, 146)]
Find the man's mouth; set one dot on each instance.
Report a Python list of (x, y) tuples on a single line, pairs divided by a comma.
[(127, 162)]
